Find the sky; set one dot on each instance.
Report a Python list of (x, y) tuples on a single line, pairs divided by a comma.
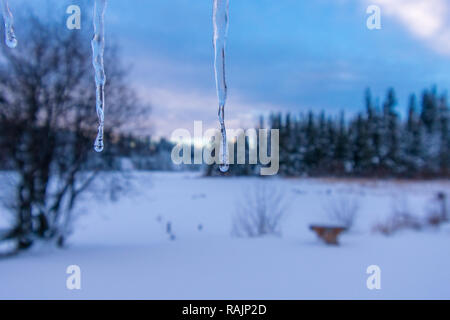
[(284, 55)]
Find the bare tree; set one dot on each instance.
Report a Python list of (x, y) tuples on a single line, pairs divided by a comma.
[(259, 212), (343, 210), (48, 125)]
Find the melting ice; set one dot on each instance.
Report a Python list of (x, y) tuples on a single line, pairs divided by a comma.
[(98, 48), (10, 37), (220, 22)]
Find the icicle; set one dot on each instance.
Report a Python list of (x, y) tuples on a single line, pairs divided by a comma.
[(10, 37), (220, 22), (98, 48)]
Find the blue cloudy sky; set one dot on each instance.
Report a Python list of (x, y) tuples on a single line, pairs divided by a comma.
[(282, 55)]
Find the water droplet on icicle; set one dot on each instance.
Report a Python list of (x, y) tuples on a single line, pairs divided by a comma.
[(220, 22), (98, 49), (10, 36)]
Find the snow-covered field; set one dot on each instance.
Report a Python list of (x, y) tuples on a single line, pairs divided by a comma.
[(123, 249)]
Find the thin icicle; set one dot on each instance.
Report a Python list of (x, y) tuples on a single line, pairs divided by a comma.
[(98, 48), (220, 22), (10, 37)]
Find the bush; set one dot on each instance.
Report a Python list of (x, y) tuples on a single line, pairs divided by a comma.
[(343, 211), (259, 212), (397, 222), (400, 219)]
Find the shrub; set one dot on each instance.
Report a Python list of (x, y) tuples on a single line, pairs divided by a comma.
[(343, 211), (259, 212)]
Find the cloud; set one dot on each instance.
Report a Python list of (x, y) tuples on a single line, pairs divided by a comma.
[(425, 19), (173, 108)]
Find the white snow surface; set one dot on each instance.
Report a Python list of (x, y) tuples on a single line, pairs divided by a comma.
[(124, 252)]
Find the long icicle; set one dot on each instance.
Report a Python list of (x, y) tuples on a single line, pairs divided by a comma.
[(220, 22), (10, 37), (98, 48)]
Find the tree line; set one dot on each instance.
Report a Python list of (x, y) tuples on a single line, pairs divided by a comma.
[(376, 142)]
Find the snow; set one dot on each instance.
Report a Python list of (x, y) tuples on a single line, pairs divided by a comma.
[(125, 253)]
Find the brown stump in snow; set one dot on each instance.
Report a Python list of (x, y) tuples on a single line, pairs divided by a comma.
[(329, 234)]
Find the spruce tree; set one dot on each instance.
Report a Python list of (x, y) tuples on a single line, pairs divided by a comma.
[(390, 134)]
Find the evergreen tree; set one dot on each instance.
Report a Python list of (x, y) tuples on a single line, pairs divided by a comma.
[(322, 147), (429, 109), (360, 147), (412, 139), (311, 143), (390, 134), (373, 132), (444, 147), (341, 149)]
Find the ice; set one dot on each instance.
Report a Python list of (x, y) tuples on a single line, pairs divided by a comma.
[(98, 48), (220, 22), (10, 37)]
